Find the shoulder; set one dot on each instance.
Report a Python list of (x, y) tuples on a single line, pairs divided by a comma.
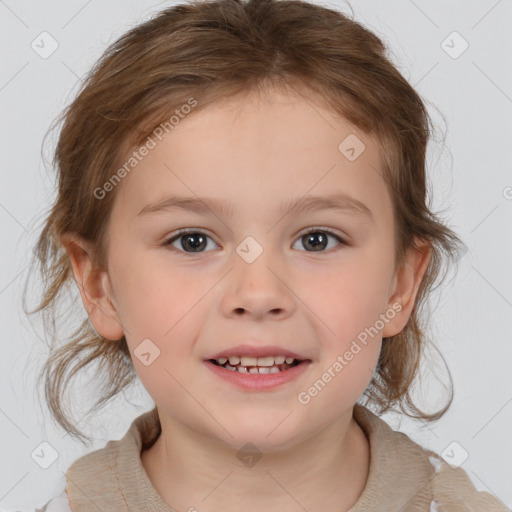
[(58, 504), (101, 462), (453, 490), (450, 488), (407, 476), (415, 477)]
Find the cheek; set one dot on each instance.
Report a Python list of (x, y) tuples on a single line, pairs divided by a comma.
[(157, 298), (349, 311), (163, 305), (349, 296)]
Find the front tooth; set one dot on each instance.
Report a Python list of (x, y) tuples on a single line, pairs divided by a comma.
[(264, 370), (242, 369), (289, 360), (234, 360), (266, 361), (253, 370), (248, 361)]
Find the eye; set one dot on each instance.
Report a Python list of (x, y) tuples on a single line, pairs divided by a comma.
[(196, 241), (318, 239), (191, 241)]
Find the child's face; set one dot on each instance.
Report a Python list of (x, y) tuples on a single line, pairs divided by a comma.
[(252, 158)]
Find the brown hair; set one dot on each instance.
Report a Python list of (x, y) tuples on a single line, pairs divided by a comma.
[(213, 50)]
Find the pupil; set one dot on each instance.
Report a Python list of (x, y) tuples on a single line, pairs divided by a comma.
[(196, 246), (317, 239)]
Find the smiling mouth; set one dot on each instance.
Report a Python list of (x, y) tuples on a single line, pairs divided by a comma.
[(258, 366)]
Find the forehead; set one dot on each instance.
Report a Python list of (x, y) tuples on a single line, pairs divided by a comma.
[(271, 148)]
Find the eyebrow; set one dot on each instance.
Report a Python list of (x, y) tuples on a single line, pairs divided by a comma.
[(204, 205)]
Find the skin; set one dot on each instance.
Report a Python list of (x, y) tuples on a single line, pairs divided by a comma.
[(254, 153)]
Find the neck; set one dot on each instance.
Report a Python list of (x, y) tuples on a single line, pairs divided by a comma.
[(326, 471)]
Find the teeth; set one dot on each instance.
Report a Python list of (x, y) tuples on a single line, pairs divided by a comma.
[(266, 361), (248, 364), (249, 361), (233, 360), (243, 369)]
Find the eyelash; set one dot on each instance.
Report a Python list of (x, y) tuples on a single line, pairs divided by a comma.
[(183, 232)]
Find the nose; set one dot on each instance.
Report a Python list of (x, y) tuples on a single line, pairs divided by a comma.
[(258, 290)]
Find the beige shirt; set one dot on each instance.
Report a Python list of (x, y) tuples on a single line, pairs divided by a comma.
[(403, 476)]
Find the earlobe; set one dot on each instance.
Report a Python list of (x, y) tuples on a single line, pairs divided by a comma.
[(405, 287), (92, 283)]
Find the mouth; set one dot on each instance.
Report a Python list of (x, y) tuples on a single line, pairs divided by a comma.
[(258, 368), (257, 365), (258, 374)]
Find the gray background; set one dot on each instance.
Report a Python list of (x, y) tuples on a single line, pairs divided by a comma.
[(471, 174)]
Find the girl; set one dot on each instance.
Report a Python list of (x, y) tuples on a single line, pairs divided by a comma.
[(242, 204)]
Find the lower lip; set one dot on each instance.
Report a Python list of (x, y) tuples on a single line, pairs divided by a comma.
[(258, 381)]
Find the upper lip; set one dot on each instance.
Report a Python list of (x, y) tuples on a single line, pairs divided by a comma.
[(254, 351)]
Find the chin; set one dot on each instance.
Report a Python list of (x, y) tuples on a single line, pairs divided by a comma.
[(267, 436)]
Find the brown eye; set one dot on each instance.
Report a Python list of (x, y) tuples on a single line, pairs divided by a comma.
[(318, 239), (189, 241)]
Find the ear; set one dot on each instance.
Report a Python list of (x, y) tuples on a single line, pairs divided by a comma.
[(404, 288), (95, 288)]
